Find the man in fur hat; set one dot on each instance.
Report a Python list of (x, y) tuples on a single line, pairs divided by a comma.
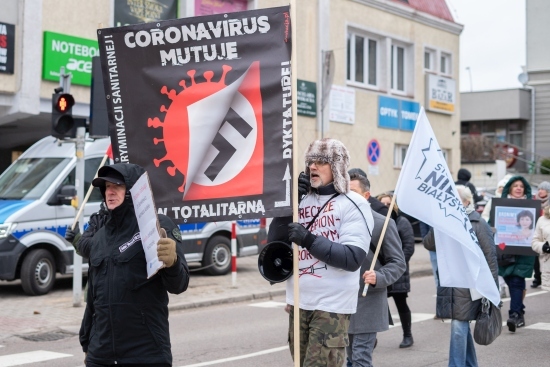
[(333, 234)]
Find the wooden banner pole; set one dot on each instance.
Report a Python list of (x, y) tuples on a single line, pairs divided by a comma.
[(390, 209), (295, 174)]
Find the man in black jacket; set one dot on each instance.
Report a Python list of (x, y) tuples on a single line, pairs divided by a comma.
[(375, 204), (464, 177), (126, 318)]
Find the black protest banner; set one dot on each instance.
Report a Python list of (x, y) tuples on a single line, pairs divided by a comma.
[(204, 105)]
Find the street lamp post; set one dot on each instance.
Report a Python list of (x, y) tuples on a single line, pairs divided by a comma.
[(470, 73)]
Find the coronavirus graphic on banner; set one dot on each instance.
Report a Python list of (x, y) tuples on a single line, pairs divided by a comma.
[(220, 147)]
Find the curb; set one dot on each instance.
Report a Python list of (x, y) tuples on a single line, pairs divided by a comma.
[(233, 299)]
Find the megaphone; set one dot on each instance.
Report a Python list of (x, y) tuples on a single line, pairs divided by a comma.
[(275, 262)]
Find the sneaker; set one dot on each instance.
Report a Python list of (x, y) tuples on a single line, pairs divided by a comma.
[(535, 284), (513, 322), (520, 321)]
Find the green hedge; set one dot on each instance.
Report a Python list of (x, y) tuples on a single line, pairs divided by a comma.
[(545, 166)]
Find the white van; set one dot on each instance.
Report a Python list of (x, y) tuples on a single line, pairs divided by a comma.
[(35, 212)]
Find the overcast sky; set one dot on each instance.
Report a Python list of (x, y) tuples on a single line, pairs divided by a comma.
[(492, 43)]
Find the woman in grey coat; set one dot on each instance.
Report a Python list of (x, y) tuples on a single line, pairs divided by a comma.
[(456, 303)]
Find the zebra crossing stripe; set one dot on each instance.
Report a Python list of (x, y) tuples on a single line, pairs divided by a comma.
[(30, 357), (415, 317), (539, 326), (268, 304)]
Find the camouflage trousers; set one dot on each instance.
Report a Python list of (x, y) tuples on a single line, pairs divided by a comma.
[(323, 338)]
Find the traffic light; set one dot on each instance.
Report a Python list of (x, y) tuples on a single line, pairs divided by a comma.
[(63, 123)]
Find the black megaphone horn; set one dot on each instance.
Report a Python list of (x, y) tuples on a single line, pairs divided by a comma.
[(275, 262)]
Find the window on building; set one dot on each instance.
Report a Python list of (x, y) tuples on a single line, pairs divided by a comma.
[(398, 68), (429, 59), (446, 154), (445, 64), (399, 153), (362, 62)]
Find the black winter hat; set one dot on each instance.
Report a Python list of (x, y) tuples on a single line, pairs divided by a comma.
[(108, 174)]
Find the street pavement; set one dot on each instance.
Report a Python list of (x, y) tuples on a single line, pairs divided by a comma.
[(22, 314)]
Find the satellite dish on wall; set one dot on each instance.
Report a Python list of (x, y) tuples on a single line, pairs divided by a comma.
[(523, 78)]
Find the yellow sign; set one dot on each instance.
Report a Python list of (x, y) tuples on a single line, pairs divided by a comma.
[(442, 106)]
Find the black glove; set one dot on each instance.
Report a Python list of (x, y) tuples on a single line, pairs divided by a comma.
[(546, 247), (72, 233), (303, 185), (300, 236)]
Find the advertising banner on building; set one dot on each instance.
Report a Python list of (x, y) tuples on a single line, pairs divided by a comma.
[(73, 53), (440, 94), (342, 104), (204, 105), (144, 11), (208, 7), (7, 40)]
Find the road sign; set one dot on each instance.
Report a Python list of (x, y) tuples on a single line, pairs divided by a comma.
[(373, 151)]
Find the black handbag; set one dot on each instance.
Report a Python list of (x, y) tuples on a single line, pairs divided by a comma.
[(488, 323)]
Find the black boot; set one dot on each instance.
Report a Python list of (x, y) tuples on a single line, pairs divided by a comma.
[(406, 325)]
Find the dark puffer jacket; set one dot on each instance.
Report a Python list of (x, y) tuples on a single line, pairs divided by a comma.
[(126, 317), (406, 234), (456, 303), (464, 177)]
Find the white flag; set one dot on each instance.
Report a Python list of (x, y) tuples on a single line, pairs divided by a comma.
[(426, 191)]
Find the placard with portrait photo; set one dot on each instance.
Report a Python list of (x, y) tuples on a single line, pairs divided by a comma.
[(514, 221)]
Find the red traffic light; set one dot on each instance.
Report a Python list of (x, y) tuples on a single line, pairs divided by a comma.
[(64, 102)]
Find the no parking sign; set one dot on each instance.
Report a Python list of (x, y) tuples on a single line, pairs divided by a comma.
[(373, 156), (373, 151)]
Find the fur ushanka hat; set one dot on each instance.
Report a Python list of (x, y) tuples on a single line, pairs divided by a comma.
[(334, 152)]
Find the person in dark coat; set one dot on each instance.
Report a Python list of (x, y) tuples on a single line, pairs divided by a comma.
[(126, 316), (372, 314), (464, 177), (521, 267), (400, 289), (375, 204), (456, 303)]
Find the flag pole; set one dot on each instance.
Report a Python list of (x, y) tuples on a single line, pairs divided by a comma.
[(295, 174), (90, 189), (390, 209), (377, 251)]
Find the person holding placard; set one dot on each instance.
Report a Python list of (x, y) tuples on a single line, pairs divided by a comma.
[(521, 267), (126, 316)]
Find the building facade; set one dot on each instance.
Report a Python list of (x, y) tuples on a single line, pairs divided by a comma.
[(369, 66)]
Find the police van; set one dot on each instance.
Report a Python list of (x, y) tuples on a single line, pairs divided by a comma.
[(35, 212)]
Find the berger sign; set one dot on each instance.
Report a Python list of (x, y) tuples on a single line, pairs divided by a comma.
[(440, 94)]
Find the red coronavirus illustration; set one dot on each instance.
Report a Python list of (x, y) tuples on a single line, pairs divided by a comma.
[(212, 133)]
